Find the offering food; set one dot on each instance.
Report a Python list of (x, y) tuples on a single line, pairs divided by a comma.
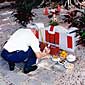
[(55, 58), (69, 65), (61, 62), (63, 54)]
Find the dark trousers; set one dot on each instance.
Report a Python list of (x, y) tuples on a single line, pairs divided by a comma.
[(28, 57)]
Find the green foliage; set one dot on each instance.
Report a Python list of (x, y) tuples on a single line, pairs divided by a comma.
[(81, 34), (55, 3), (79, 22), (24, 8), (54, 23)]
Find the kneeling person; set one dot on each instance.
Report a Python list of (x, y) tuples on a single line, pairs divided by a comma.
[(23, 46)]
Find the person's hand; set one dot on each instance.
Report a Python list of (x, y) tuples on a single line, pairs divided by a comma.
[(46, 50)]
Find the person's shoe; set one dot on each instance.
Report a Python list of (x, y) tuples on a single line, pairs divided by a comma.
[(11, 66), (30, 68)]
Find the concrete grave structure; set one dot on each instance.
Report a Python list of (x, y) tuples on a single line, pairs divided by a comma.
[(57, 36)]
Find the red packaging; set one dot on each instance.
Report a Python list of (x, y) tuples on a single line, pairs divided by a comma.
[(42, 46), (54, 50)]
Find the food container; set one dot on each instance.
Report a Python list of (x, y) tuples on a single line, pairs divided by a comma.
[(71, 58), (55, 58), (68, 65), (63, 54)]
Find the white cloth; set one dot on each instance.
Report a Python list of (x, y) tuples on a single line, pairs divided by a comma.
[(21, 40)]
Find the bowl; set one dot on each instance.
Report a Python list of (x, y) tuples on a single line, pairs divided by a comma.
[(68, 65), (71, 58)]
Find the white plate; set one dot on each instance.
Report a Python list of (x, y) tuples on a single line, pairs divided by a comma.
[(69, 65), (56, 59), (71, 58)]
